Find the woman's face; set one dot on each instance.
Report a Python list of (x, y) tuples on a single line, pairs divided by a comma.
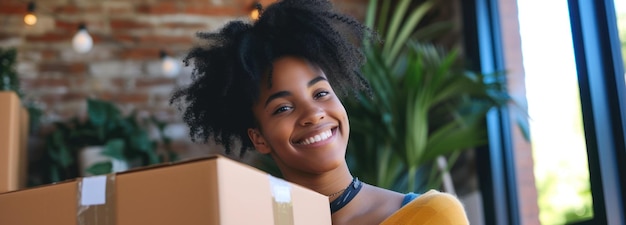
[(302, 123)]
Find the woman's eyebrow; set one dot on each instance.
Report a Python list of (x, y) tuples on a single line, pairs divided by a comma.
[(277, 95), (315, 80), (286, 93)]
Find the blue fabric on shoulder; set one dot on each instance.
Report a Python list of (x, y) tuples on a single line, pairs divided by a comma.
[(409, 197)]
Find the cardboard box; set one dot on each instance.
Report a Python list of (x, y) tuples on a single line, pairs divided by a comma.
[(215, 190), (13, 151)]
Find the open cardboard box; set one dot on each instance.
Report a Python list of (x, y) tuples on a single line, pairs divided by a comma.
[(212, 190)]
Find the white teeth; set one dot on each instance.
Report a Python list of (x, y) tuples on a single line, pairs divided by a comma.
[(320, 137)]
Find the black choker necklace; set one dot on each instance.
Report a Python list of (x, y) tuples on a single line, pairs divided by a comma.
[(347, 195)]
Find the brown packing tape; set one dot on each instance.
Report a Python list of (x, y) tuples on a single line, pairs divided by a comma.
[(281, 201), (96, 200)]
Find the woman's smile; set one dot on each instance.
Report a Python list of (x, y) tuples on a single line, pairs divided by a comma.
[(318, 139)]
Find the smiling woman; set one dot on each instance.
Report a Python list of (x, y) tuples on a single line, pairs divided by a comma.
[(302, 123), (271, 87)]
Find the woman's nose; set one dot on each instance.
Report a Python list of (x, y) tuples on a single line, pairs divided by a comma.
[(312, 114)]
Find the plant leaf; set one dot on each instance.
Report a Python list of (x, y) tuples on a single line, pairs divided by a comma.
[(396, 22), (408, 27), (115, 149), (100, 168)]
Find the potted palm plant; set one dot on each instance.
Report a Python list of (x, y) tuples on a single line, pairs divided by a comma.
[(424, 105)]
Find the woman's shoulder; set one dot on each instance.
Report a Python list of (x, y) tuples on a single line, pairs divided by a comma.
[(432, 207)]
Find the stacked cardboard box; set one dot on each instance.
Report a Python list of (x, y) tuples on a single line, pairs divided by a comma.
[(13, 139), (214, 190)]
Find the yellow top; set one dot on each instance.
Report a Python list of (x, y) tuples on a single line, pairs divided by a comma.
[(431, 208)]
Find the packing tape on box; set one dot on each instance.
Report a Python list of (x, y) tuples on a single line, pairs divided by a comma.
[(282, 204), (96, 200)]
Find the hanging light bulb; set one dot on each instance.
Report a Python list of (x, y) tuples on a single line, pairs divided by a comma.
[(256, 11), (82, 41), (169, 66), (30, 18)]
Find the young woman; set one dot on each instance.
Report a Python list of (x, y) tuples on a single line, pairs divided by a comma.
[(274, 86)]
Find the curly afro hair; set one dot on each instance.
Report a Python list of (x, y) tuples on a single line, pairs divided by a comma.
[(229, 66)]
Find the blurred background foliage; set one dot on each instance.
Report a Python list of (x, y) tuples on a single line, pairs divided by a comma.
[(123, 137), (425, 107)]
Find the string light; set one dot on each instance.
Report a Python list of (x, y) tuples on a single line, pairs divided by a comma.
[(82, 41), (257, 9), (30, 18), (169, 66)]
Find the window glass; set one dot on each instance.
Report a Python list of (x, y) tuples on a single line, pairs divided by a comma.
[(556, 128)]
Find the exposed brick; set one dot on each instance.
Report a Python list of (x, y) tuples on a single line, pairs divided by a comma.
[(159, 8), (191, 26), (118, 25), (125, 38), (112, 69), (140, 53), (51, 37), (214, 11), (137, 98), (68, 109), (92, 9), (123, 82), (44, 82), (48, 54), (160, 40), (68, 26), (97, 38), (13, 8), (55, 99), (118, 7), (79, 82), (63, 68), (67, 9), (152, 82)]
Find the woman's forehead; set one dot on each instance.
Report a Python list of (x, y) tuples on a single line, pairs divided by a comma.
[(290, 69)]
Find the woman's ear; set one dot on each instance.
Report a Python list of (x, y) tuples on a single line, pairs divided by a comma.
[(258, 141)]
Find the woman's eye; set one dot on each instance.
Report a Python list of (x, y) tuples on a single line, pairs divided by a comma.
[(282, 109), (321, 94)]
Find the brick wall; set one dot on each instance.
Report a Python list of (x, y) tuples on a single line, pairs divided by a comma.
[(124, 64)]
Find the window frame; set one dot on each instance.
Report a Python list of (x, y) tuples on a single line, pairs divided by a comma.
[(496, 163), (603, 101), (601, 81)]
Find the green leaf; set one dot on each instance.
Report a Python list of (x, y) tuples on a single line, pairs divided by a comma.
[(102, 113), (408, 28), (396, 21), (453, 138), (101, 168), (115, 149), (431, 31), (384, 15), (371, 13)]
